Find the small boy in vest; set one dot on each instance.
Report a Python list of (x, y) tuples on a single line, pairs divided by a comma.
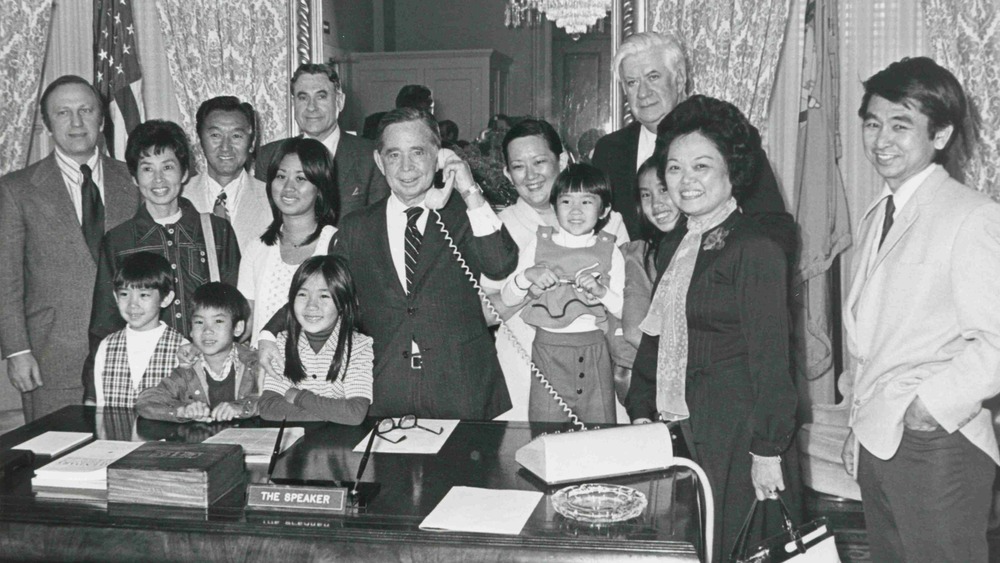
[(222, 384), (145, 351)]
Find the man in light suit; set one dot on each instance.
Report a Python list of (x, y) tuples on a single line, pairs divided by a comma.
[(653, 72), (227, 131), (52, 217), (923, 325), (318, 101)]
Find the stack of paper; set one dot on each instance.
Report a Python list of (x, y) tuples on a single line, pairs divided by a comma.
[(258, 443), (488, 511), (83, 473), (54, 443)]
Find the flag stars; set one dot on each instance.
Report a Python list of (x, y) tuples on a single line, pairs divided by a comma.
[(130, 28), (118, 18), (102, 54), (126, 49)]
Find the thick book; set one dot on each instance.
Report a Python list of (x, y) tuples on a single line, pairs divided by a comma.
[(82, 473), (173, 474)]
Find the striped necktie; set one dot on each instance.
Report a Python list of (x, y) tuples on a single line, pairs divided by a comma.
[(412, 240), (219, 210)]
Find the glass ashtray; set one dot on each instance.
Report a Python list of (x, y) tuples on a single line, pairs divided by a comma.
[(598, 503)]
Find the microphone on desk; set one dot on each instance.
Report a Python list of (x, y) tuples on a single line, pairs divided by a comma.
[(277, 450), (364, 460)]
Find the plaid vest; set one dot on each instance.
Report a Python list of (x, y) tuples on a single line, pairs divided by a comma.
[(117, 377)]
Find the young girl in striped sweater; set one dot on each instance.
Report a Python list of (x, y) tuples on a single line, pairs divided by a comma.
[(327, 371)]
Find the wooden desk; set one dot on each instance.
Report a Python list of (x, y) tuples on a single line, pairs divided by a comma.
[(476, 455)]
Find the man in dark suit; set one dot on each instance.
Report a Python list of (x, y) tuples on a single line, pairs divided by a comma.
[(434, 356), (318, 101), (653, 72), (52, 217)]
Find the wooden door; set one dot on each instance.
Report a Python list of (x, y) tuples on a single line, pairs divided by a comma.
[(581, 83)]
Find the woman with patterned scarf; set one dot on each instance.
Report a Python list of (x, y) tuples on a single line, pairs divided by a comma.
[(714, 356)]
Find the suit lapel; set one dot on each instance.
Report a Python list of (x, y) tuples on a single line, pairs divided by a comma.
[(49, 183), (632, 147), (430, 249), (346, 163), (118, 186), (383, 255), (924, 193)]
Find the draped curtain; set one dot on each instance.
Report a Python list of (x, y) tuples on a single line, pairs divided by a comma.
[(732, 46), (820, 203), (229, 47), (25, 33), (965, 38)]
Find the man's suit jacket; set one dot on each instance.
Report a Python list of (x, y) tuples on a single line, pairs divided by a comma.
[(926, 319), (461, 377), (253, 213), (46, 270), (615, 154), (359, 180)]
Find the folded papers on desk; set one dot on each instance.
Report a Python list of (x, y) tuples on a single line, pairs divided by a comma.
[(418, 440), (54, 443), (488, 511), (82, 473), (258, 443)]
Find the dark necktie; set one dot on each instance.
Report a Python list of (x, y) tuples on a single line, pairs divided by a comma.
[(890, 209), (92, 220), (220, 207), (412, 240)]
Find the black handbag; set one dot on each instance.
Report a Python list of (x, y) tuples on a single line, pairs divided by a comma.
[(812, 542)]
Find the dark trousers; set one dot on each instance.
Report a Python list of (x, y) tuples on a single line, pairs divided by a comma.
[(44, 400), (930, 501)]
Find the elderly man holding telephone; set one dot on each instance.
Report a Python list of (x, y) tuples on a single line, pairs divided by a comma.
[(434, 356)]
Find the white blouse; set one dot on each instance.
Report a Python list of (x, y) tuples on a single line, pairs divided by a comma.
[(265, 278)]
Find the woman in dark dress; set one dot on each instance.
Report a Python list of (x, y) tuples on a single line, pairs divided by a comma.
[(715, 348)]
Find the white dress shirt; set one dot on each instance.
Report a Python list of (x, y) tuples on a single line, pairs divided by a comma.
[(647, 145), (331, 142), (482, 220), (899, 198), (74, 178), (234, 191)]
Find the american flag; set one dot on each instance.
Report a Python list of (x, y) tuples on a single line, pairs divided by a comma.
[(117, 72)]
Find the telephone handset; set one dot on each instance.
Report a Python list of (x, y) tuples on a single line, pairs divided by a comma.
[(435, 199)]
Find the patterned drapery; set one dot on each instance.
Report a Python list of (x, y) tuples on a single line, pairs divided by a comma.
[(25, 32), (965, 39), (732, 46), (229, 47)]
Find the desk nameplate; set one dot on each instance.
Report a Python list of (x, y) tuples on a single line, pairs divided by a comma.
[(299, 499)]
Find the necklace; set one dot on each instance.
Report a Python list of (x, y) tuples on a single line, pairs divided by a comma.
[(287, 240)]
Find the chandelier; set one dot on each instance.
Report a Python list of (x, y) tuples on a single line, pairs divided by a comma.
[(575, 16)]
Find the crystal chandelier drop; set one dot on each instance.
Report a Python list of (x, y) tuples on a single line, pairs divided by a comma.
[(575, 16)]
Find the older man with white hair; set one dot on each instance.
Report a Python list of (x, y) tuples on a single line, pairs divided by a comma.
[(652, 69)]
